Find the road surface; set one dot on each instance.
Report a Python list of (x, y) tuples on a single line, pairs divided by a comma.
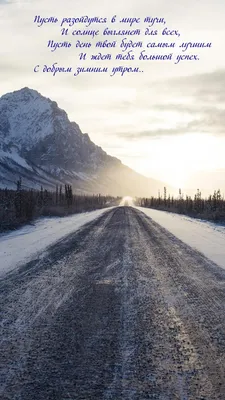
[(120, 309)]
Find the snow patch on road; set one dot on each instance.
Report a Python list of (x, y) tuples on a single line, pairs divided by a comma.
[(22, 245), (206, 237)]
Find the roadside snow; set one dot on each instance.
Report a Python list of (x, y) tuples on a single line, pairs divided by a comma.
[(20, 246), (206, 237)]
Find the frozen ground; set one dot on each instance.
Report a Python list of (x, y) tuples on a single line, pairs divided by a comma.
[(206, 237), (22, 245), (118, 310)]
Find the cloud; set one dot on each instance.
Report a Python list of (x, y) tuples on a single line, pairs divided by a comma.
[(204, 87), (213, 124), (130, 105), (148, 133), (187, 105)]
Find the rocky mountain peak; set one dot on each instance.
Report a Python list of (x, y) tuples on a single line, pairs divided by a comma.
[(39, 143)]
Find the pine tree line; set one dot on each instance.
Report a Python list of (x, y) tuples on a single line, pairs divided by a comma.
[(211, 208), (20, 206)]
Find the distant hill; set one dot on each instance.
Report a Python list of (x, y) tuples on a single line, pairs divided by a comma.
[(40, 144)]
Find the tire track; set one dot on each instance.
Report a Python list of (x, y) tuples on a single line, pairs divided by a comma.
[(118, 310)]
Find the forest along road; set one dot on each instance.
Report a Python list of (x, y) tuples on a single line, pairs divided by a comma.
[(120, 309)]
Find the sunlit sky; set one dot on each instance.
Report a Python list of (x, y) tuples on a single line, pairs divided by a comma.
[(167, 122)]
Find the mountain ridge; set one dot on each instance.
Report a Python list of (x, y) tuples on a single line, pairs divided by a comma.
[(39, 143)]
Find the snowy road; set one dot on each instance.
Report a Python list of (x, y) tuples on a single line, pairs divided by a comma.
[(120, 309)]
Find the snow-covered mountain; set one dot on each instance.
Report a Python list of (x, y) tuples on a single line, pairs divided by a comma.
[(40, 144)]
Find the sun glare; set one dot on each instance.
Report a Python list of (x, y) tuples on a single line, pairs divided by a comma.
[(175, 160), (184, 156), (126, 201)]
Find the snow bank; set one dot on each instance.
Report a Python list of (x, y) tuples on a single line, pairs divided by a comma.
[(19, 247), (206, 237)]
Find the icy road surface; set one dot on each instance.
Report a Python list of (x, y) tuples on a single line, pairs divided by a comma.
[(118, 310)]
